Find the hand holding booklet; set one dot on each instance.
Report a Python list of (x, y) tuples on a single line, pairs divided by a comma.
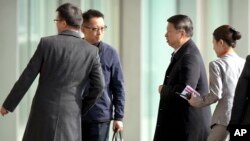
[(187, 92)]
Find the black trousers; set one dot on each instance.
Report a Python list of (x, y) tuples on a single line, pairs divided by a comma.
[(95, 131)]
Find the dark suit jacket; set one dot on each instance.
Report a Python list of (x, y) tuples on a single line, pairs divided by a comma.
[(64, 63), (176, 118), (241, 106)]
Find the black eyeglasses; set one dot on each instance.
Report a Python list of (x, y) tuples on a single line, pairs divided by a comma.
[(95, 29), (57, 20)]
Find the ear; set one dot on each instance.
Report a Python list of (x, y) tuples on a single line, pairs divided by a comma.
[(221, 42), (64, 24), (183, 33)]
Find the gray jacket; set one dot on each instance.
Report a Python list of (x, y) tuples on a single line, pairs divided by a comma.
[(64, 63), (223, 76)]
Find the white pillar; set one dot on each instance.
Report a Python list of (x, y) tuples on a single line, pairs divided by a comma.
[(131, 60), (9, 65)]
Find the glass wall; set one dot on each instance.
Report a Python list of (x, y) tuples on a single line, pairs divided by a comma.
[(155, 59), (35, 20)]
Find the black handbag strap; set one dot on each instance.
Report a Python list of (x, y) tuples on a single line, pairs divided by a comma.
[(117, 135)]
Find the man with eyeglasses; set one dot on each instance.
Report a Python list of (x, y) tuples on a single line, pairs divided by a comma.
[(65, 62), (96, 124)]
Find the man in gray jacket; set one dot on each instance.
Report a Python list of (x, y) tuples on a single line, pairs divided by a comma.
[(65, 62)]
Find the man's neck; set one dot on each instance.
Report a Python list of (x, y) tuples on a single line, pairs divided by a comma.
[(91, 42), (184, 40), (75, 30), (72, 29)]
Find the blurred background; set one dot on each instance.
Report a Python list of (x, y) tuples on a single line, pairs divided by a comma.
[(136, 29)]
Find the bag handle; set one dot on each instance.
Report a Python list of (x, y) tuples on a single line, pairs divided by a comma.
[(117, 135)]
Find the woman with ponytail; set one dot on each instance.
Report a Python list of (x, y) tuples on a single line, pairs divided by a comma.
[(224, 73)]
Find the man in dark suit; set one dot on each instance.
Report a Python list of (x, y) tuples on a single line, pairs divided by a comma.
[(176, 118), (240, 116), (65, 62)]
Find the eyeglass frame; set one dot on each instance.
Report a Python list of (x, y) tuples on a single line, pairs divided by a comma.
[(57, 20), (95, 29)]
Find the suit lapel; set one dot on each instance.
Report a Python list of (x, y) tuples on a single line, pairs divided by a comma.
[(172, 62), (175, 58)]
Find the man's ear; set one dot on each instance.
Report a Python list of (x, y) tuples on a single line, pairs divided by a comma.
[(64, 23), (183, 33)]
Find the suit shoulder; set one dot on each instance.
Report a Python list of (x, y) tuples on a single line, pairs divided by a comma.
[(88, 46), (49, 39), (86, 43), (247, 62), (217, 61), (191, 55), (248, 58), (215, 65), (52, 37), (192, 50)]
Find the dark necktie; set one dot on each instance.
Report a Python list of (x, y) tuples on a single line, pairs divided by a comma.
[(169, 68), (172, 57)]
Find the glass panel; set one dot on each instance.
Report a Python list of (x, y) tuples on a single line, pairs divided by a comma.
[(155, 59), (35, 21), (23, 59)]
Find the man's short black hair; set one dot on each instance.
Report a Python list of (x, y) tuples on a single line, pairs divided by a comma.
[(91, 13), (71, 14)]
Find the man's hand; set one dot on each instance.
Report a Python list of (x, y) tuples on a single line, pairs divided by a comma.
[(117, 125), (3, 111)]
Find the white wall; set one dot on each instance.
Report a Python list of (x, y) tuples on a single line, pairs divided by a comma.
[(131, 61)]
